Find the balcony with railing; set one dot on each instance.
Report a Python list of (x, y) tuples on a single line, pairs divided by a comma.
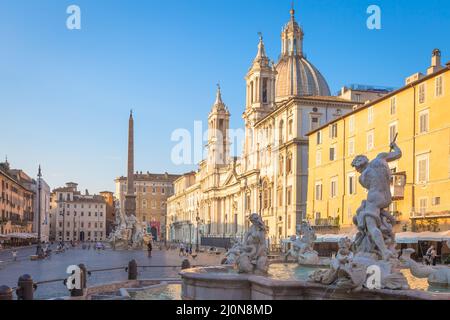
[(329, 224), (398, 182), (424, 214)]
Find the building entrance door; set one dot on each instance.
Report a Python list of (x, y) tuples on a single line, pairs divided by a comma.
[(154, 233)]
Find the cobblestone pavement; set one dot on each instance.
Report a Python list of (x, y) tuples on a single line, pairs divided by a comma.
[(55, 266)]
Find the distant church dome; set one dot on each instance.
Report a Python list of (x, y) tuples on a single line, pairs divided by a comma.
[(296, 76)]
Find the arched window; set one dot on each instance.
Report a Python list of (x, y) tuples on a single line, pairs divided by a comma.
[(267, 195), (264, 90), (248, 197)]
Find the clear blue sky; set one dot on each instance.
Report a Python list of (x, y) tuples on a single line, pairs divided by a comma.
[(65, 95)]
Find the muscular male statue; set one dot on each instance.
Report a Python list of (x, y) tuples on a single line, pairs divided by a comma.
[(375, 177)]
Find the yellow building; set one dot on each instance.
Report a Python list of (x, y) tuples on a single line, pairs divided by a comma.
[(420, 113)]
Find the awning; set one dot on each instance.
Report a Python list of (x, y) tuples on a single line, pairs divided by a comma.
[(415, 237), (401, 237), (332, 238), (323, 238), (22, 235)]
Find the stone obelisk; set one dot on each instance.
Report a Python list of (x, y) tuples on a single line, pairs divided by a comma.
[(130, 197)]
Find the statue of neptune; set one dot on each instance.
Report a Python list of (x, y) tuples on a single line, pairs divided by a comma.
[(374, 244), (373, 221)]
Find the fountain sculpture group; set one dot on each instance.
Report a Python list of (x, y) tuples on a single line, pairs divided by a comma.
[(373, 249), (370, 261), (302, 249), (129, 231), (250, 255)]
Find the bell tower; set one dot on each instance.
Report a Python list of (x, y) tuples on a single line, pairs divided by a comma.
[(218, 126), (260, 100), (260, 81)]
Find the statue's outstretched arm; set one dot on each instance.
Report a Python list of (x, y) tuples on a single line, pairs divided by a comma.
[(395, 154)]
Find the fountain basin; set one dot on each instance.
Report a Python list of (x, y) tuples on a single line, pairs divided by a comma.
[(223, 283)]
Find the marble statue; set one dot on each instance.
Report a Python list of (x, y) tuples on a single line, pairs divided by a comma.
[(374, 223), (232, 254), (306, 253), (436, 275), (295, 247), (343, 257), (374, 244), (303, 246), (250, 256)]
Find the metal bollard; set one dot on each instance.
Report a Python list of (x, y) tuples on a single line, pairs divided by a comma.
[(84, 275), (132, 270), (83, 281), (185, 264), (6, 293), (25, 288)]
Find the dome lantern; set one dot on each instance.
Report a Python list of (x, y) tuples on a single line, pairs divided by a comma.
[(296, 76)]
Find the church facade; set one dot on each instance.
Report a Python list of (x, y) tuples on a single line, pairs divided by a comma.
[(284, 101)]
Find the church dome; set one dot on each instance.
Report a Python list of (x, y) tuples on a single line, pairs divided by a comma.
[(296, 76)]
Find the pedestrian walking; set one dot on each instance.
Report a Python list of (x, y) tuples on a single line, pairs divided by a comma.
[(14, 254), (149, 249), (181, 253), (433, 256)]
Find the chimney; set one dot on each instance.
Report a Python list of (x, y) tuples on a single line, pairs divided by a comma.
[(87, 192), (436, 58), (435, 62)]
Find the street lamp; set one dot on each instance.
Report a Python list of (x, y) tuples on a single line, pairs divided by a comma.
[(197, 245), (165, 227), (74, 234), (39, 248), (260, 196), (64, 219), (190, 234)]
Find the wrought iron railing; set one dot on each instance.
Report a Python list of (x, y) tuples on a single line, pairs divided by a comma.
[(326, 222)]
